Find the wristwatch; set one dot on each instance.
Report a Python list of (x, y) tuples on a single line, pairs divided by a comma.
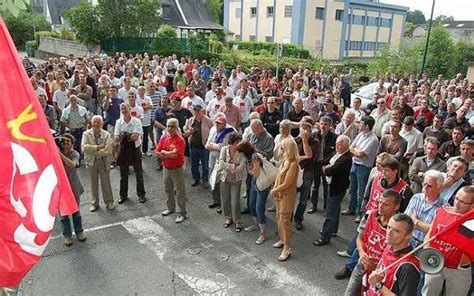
[(378, 286)]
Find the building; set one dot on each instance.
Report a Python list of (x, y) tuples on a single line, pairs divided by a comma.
[(330, 29), (184, 15), (459, 31)]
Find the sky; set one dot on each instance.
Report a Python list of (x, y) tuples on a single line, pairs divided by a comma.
[(462, 10)]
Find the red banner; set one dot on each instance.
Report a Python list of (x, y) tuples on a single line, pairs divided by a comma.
[(460, 234), (33, 183)]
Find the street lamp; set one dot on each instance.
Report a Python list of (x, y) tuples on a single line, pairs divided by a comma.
[(427, 39)]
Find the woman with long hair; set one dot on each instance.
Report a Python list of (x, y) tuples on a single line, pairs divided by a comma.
[(284, 194)]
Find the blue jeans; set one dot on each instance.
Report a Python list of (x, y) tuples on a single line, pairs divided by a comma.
[(304, 192), (257, 200), (76, 221), (352, 250), (333, 210), (202, 156), (158, 134), (359, 177)]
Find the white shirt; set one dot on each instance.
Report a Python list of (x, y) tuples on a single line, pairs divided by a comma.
[(115, 82), (189, 103), (60, 98), (414, 139), (229, 92), (133, 126), (146, 114), (213, 107), (40, 91), (137, 112), (244, 105), (123, 93), (210, 95)]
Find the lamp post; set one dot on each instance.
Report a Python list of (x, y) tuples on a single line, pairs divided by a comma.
[(428, 39)]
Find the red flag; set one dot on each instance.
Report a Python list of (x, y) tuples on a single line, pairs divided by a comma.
[(33, 183), (460, 234)]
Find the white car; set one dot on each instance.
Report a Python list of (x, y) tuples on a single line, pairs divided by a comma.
[(366, 92)]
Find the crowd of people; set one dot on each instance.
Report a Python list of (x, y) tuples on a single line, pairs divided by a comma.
[(405, 159)]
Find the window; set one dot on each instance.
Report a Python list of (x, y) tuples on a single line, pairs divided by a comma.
[(386, 23), (238, 12), (252, 38), (268, 39), (166, 12), (371, 21), (319, 13), (339, 14), (253, 11), (269, 11), (288, 10)]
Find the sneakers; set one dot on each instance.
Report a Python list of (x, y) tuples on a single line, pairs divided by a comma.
[(148, 154), (81, 237), (343, 254), (251, 228), (195, 183), (68, 241), (179, 218), (278, 244), (166, 213), (93, 208), (312, 210), (342, 274), (357, 219), (347, 213), (110, 207)]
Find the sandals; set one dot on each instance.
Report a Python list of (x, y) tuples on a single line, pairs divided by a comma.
[(261, 239), (227, 223), (238, 227), (285, 254)]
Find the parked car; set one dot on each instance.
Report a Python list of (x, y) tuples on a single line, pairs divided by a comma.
[(366, 92)]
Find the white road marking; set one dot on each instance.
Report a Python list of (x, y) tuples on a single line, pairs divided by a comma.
[(95, 228), (158, 240)]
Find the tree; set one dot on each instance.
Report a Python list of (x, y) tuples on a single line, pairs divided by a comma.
[(444, 18), (23, 26), (85, 20), (166, 31), (114, 18), (416, 17), (216, 7), (13, 7), (441, 52)]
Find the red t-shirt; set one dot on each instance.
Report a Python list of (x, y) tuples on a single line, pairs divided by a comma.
[(427, 114), (178, 94), (169, 143)]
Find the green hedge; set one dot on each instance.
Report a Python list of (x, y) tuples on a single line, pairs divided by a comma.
[(30, 47), (289, 50), (40, 34)]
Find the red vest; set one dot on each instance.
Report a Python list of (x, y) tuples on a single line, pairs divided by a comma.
[(451, 254), (374, 237), (376, 191), (390, 275)]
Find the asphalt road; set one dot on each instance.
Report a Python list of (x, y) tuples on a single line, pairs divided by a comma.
[(135, 251)]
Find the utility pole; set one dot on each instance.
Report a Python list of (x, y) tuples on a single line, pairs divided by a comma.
[(428, 39)]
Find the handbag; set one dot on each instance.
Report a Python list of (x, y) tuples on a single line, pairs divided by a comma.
[(213, 177), (267, 176), (299, 179)]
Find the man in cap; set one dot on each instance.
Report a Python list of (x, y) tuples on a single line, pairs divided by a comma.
[(197, 130)]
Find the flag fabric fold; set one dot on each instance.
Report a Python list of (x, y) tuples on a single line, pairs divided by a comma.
[(460, 233), (33, 182)]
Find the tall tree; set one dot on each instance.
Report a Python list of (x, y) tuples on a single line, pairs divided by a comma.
[(216, 7), (416, 17)]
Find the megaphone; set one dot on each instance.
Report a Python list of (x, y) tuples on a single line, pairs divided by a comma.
[(431, 261)]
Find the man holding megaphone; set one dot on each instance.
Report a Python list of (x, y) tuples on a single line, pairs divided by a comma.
[(457, 268)]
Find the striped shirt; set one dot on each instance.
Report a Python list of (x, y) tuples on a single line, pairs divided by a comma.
[(424, 212)]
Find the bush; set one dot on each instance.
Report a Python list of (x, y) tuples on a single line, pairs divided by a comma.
[(166, 31), (40, 34), (289, 50), (30, 47)]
